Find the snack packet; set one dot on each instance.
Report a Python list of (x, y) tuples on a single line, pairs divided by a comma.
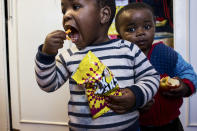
[(98, 81)]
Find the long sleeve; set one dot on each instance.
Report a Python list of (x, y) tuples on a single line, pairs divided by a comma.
[(186, 72), (168, 62), (50, 74), (127, 63), (146, 79)]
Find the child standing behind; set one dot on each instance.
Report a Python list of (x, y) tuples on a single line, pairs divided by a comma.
[(89, 21), (136, 23)]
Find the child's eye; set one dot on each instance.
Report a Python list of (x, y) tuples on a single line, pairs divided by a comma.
[(147, 27), (76, 6), (63, 11), (131, 29)]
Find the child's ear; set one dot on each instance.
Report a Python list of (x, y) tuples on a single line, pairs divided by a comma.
[(119, 37), (105, 14)]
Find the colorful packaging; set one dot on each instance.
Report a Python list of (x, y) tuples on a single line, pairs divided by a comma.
[(98, 81)]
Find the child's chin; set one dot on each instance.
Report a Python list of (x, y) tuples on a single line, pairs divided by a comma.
[(79, 45)]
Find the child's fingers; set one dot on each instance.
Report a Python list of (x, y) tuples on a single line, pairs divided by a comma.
[(58, 45), (120, 111), (120, 99), (172, 94), (59, 34), (117, 108), (116, 99), (58, 40), (168, 94), (55, 43), (122, 103), (176, 90)]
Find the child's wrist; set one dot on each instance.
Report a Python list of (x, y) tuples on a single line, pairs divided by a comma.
[(44, 58), (190, 87)]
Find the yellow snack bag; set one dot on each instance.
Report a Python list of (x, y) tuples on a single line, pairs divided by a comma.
[(98, 81)]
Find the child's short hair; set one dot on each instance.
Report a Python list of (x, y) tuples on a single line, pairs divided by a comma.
[(111, 4), (135, 6)]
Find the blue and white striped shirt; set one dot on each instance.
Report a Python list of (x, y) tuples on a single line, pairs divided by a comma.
[(128, 64)]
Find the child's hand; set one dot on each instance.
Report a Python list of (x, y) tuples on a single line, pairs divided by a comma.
[(147, 106), (53, 42), (121, 104), (177, 92)]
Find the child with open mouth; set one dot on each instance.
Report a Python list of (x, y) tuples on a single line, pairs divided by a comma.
[(89, 22)]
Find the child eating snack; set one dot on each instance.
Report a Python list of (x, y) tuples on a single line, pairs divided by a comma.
[(89, 21)]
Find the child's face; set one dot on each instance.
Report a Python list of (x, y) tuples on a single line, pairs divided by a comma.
[(138, 26), (82, 17)]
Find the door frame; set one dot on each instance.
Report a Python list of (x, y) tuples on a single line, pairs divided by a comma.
[(4, 104), (182, 45)]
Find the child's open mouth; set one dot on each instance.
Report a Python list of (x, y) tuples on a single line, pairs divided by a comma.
[(72, 33)]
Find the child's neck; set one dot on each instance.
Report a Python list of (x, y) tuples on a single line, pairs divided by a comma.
[(146, 52), (101, 40)]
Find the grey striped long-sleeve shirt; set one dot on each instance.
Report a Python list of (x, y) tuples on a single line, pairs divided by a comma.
[(128, 64)]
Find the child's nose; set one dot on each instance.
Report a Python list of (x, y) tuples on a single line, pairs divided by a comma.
[(140, 32), (67, 16)]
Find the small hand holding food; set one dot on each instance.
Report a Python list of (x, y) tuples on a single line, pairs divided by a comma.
[(167, 83), (98, 82), (121, 104), (54, 41), (173, 87)]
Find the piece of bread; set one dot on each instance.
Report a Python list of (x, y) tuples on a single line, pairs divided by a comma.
[(167, 83)]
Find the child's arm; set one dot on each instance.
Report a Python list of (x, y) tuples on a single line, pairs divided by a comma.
[(146, 79), (50, 74), (187, 77), (145, 87)]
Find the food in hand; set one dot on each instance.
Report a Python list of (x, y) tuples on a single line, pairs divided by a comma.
[(67, 32), (167, 83), (98, 82)]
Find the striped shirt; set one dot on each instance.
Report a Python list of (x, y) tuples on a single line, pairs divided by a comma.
[(127, 63)]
